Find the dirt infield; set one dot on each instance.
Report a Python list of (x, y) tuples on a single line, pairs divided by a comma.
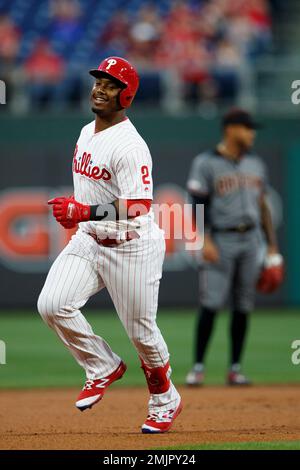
[(47, 419)]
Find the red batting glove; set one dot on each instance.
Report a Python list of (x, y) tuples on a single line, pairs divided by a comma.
[(69, 212)]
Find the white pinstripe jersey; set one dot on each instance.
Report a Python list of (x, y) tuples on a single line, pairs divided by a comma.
[(112, 164)]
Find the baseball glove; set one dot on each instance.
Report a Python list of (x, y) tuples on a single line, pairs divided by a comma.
[(271, 275)]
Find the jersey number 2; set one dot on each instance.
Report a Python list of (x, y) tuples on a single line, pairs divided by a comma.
[(145, 173)]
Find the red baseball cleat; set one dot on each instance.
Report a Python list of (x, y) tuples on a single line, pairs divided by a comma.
[(161, 418), (94, 390), (195, 377), (236, 378)]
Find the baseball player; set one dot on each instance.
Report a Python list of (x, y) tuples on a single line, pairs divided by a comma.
[(231, 183), (117, 245)]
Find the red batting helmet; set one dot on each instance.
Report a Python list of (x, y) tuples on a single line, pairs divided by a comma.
[(124, 72)]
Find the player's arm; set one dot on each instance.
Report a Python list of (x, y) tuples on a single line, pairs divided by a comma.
[(123, 209), (272, 272), (69, 212), (200, 189), (210, 251), (198, 186), (267, 225)]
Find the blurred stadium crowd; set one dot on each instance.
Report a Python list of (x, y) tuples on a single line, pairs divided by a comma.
[(187, 52)]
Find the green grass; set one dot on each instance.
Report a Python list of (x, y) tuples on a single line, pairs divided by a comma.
[(275, 445), (37, 358)]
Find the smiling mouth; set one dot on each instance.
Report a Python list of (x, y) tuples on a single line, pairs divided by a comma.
[(99, 100)]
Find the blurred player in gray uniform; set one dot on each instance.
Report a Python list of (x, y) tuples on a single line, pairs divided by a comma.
[(231, 183)]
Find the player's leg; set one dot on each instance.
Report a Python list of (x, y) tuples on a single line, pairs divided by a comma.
[(245, 277), (214, 284), (132, 276), (72, 279), (203, 332)]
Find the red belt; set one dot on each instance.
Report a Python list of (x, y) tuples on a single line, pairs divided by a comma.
[(109, 241)]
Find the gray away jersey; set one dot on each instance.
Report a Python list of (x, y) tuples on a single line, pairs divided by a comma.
[(233, 188)]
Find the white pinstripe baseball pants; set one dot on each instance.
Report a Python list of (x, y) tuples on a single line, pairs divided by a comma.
[(131, 272)]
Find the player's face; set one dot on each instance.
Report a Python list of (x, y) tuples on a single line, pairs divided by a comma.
[(243, 136), (104, 96)]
